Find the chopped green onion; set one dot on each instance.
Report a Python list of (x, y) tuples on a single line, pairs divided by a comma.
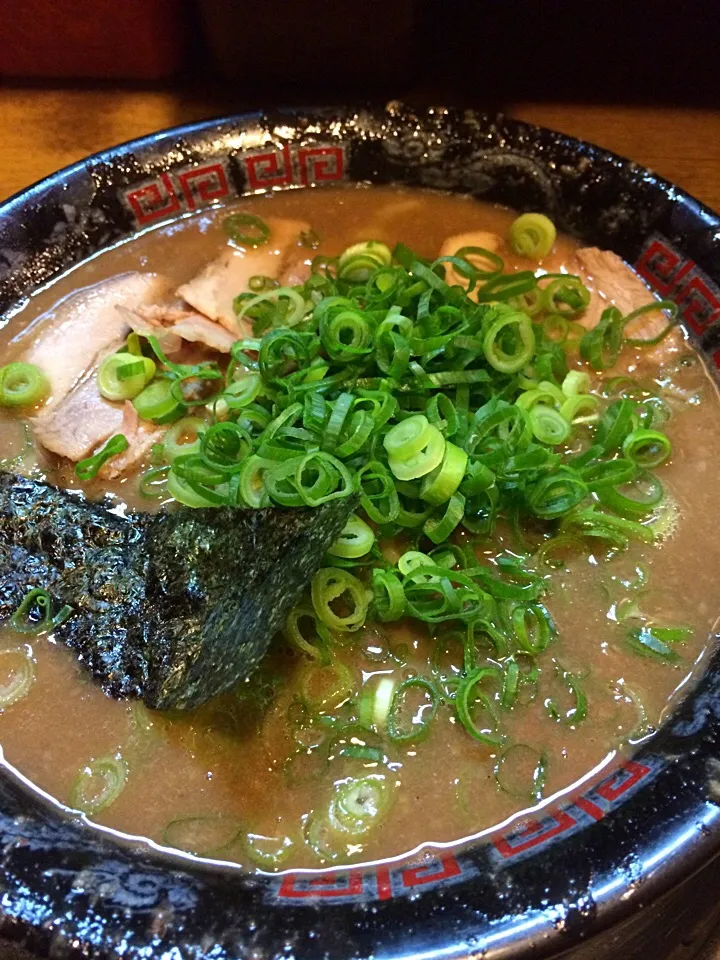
[(616, 424), (355, 540), (202, 836), (246, 229), (22, 385), (424, 461), (657, 642), (565, 294), (157, 403), (344, 330), (413, 707), (485, 264), (317, 646), (602, 474), (279, 307), (378, 496), (325, 687), (359, 804), (35, 613), (252, 485), (482, 727), (98, 785), (592, 522), (532, 235), (577, 712), (359, 261), (532, 627), (601, 346), (323, 839), (388, 595), (509, 342), (521, 771), (376, 702), (439, 528), (407, 438), (508, 286), (556, 495), (634, 499), (647, 448), (328, 586), (319, 478), (183, 437), (511, 683), (268, 853), (440, 485), (187, 494), (667, 306), (576, 382), (549, 425), (18, 672), (259, 283), (580, 408), (132, 345), (89, 467), (122, 376), (153, 483), (555, 328)]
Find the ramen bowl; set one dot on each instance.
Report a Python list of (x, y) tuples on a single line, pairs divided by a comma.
[(621, 864)]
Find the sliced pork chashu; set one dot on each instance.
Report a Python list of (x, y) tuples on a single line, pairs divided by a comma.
[(212, 291), (85, 327)]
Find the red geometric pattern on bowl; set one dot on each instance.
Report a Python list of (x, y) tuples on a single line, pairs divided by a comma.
[(595, 804), (380, 883), (676, 277), (286, 166), (191, 188), (183, 190)]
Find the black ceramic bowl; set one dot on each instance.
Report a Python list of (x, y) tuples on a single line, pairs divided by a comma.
[(575, 880)]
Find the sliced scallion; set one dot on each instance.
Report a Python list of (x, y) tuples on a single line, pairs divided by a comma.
[(521, 771), (98, 785), (122, 376), (88, 468), (412, 709), (18, 672), (246, 229), (532, 235), (22, 385)]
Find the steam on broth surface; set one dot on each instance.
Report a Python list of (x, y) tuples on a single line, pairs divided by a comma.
[(356, 744)]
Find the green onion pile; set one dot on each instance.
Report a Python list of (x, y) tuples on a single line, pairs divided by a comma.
[(451, 396)]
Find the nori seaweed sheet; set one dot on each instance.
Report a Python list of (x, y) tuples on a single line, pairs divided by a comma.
[(173, 607)]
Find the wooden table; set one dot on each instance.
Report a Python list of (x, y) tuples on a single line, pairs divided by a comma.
[(46, 128)]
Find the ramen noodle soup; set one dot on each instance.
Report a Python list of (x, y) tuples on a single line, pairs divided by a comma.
[(524, 582)]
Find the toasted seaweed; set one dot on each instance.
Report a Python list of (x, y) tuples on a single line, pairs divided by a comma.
[(173, 607)]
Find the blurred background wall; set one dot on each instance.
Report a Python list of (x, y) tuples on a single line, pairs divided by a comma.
[(470, 51)]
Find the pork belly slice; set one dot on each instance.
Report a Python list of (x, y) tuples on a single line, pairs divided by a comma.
[(212, 291), (85, 421), (80, 423), (86, 326), (613, 283), (172, 324), (141, 437)]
